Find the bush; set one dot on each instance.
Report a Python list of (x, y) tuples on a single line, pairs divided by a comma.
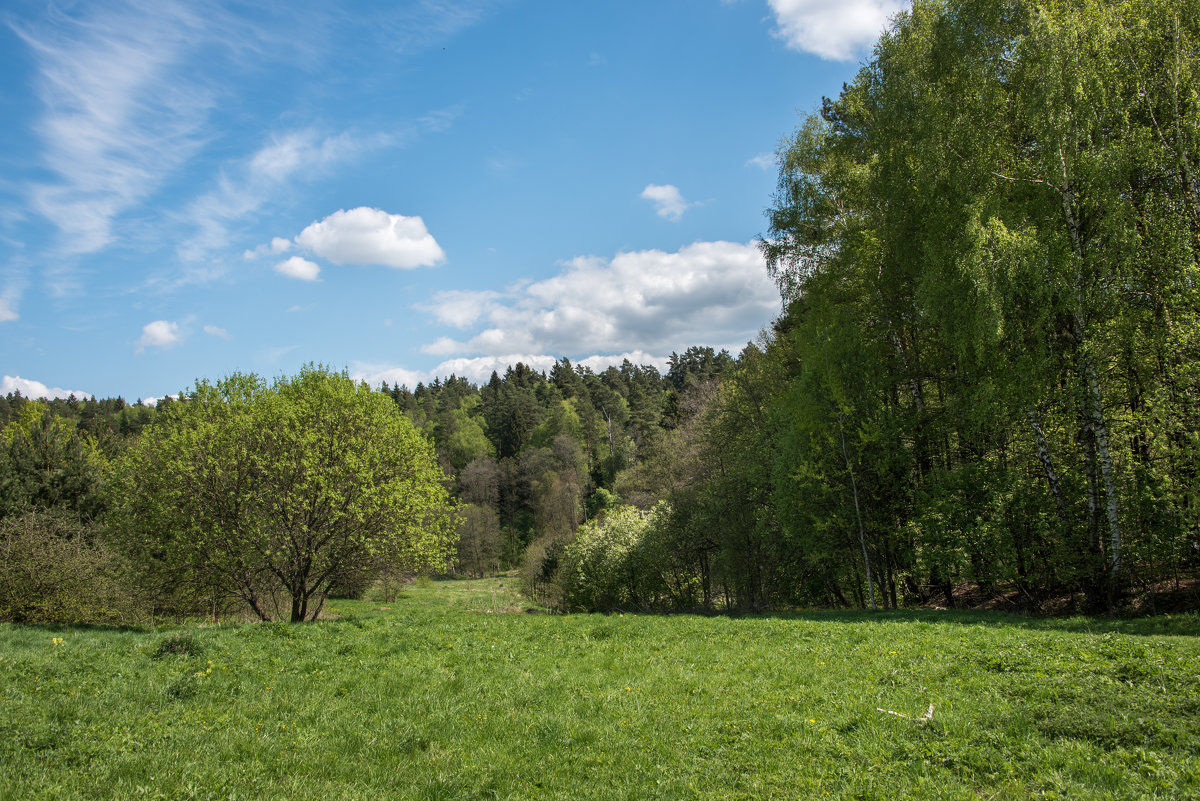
[(54, 570), (614, 562)]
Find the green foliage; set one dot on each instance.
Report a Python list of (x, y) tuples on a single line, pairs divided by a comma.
[(540, 570), (178, 644), (480, 544), (615, 562), (53, 570), (46, 462), (270, 494), (468, 440), (989, 242)]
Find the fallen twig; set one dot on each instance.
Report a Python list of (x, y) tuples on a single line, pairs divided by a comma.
[(928, 716)]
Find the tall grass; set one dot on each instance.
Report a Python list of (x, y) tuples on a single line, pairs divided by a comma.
[(454, 692)]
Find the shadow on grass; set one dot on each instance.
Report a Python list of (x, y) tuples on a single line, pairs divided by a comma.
[(1179, 625), (59, 628)]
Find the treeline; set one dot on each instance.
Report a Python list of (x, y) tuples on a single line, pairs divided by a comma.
[(527, 458), (532, 455)]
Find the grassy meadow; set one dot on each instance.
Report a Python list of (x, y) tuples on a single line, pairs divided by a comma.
[(456, 692)]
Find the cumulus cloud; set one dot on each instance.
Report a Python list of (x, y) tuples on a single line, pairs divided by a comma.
[(667, 200), (219, 333), (276, 246), (479, 369), (36, 389), (245, 186), (715, 293), (460, 308), (153, 400), (837, 30), (300, 268), (158, 334), (371, 236), (638, 306), (375, 374)]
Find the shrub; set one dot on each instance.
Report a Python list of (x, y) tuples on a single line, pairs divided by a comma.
[(178, 645), (54, 570), (614, 562)]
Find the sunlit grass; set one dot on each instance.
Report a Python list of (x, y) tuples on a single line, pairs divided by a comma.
[(454, 691)]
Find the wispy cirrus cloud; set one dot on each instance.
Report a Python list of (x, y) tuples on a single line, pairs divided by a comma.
[(121, 111), (418, 25), (8, 305)]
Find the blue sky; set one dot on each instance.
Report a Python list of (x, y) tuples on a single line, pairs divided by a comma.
[(402, 189)]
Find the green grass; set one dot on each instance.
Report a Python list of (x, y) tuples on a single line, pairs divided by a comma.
[(452, 692)]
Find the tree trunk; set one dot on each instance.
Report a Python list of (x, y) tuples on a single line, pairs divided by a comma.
[(1047, 464), (1094, 405), (862, 534)]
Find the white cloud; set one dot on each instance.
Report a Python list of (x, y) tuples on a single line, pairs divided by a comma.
[(297, 267), (121, 111), (274, 354), (215, 331), (838, 30), (668, 202), (375, 374), (708, 293), (8, 310), (276, 246), (601, 363), (372, 236), (764, 161), (412, 27), (153, 401), (479, 369), (245, 186), (35, 389), (158, 334), (460, 308)]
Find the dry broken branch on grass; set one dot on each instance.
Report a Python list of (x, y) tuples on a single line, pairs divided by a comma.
[(928, 716)]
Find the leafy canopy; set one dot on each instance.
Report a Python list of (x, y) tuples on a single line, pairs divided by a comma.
[(271, 493)]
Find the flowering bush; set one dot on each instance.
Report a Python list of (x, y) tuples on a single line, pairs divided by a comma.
[(612, 562)]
